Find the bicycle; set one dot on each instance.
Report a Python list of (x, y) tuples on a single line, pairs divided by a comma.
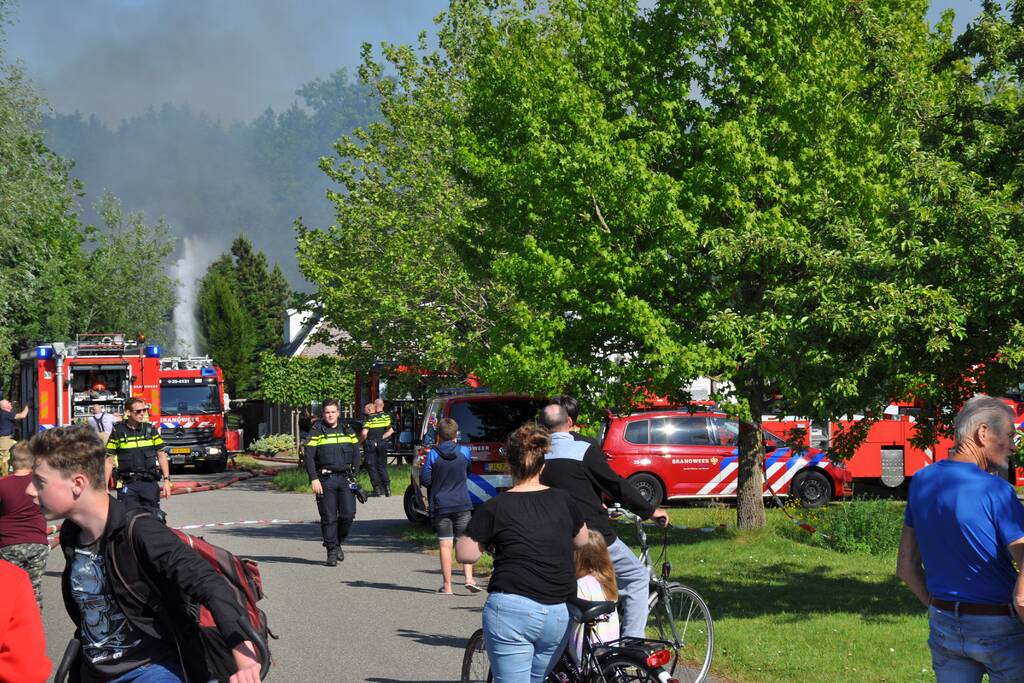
[(680, 615), (627, 660)]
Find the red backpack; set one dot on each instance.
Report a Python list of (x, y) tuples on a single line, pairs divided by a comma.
[(243, 576)]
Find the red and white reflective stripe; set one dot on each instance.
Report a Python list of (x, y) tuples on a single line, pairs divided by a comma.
[(719, 478), (929, 455)]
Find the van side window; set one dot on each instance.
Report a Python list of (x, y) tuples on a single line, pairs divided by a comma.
[(680, 431), (638, 432)]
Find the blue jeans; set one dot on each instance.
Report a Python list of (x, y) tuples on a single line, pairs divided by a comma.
[(523, 637), (634, 582), (163, 672), (966, 646)]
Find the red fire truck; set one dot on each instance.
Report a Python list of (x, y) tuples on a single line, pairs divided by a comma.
[(192, 406), (63, 381), (887, 456)]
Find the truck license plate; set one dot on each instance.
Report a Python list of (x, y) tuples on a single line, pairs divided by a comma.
[(181, 450)]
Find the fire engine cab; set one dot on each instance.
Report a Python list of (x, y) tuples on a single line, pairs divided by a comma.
[(63, 381), (192, 409)]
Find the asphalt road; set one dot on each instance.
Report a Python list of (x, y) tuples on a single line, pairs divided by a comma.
[(375, 617)]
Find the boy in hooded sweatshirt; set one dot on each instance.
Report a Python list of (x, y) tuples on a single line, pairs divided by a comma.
[(445, 472)]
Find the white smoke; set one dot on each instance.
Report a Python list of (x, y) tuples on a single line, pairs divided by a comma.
[(196, 256)]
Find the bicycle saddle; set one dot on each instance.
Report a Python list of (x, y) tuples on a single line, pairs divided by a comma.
[(585, 610)]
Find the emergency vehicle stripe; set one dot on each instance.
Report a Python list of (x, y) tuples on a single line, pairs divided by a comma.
[(480, 489), (727, 469), (796, 464)]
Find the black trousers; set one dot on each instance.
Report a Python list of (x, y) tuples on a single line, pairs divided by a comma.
[(337, 507), (376, 455), (141, 494)]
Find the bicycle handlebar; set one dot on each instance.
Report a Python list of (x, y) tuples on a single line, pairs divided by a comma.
[(616, 511)]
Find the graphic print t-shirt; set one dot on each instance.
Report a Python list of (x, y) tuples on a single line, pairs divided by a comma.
[(111, 646)]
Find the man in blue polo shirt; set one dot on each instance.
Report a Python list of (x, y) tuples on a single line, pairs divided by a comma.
[(963, 529)]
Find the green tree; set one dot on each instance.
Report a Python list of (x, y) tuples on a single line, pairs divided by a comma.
[(264, 292), (387, 272), (712, 187), (301, 381), (260, 294), (227, 329), (39, 233), (767, 195), (124, 286)]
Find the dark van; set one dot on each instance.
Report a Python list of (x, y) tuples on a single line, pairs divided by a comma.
[(485, 421)]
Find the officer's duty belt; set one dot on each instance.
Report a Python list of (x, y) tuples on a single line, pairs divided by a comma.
[(327, 473)]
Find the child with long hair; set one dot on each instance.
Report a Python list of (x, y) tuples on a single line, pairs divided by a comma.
[(595, 580)]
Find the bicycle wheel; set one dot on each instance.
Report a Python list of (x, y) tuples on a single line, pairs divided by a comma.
[(625, 669), (685, 621), (476, 667)]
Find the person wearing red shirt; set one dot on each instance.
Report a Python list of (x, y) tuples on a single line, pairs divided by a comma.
[(22, 527), (22, 644)]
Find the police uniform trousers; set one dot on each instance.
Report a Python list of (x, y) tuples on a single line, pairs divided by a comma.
[(376, 455), (337, 507), (139, 493)]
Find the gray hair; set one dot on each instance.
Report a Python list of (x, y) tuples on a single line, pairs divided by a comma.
[(554, 416), (981, 409)]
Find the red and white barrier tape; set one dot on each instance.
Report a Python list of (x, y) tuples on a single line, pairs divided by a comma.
[(52, 531)]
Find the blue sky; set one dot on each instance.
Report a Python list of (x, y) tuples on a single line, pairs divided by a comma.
[(228, 59)]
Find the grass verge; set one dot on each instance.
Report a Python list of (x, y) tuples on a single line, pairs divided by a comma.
[(247, 462), (297, 481), (785, 609)]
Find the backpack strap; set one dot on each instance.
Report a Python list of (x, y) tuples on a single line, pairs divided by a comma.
[(130, 536)]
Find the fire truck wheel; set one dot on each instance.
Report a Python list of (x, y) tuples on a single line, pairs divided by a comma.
[(813, 489), (649, 486)]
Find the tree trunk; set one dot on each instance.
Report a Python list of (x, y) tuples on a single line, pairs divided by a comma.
[(750, 479)]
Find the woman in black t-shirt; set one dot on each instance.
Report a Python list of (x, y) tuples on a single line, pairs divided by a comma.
[(532, 531)]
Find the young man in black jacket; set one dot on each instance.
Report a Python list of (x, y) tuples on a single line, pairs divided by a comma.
[(105, 570)]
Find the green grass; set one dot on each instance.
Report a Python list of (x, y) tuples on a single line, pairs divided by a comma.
[(786, 610), (297, 481)]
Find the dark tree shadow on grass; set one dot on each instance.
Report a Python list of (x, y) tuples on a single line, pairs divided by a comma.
[(792, 592)]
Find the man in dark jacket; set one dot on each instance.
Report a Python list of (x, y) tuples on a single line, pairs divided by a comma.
[(331, 458), (580, 468), (135, 452), (445, 472), (106, 573)]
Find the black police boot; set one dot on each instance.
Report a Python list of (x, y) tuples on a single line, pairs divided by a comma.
[(341, 554), (332, 557), (387, 490), (376, 493)]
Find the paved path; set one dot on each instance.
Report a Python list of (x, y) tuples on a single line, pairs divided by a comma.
[(375, 617)]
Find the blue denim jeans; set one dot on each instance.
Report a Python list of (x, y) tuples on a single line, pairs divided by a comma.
[(634, 583), (966, 646), (523, 637), (163, 672)]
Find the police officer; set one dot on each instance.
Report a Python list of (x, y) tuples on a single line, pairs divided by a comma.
[(332, 456), (376, 432), (136, 456)]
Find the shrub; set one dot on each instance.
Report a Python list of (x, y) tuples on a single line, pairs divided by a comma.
[(865, 526), (272, 444)]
